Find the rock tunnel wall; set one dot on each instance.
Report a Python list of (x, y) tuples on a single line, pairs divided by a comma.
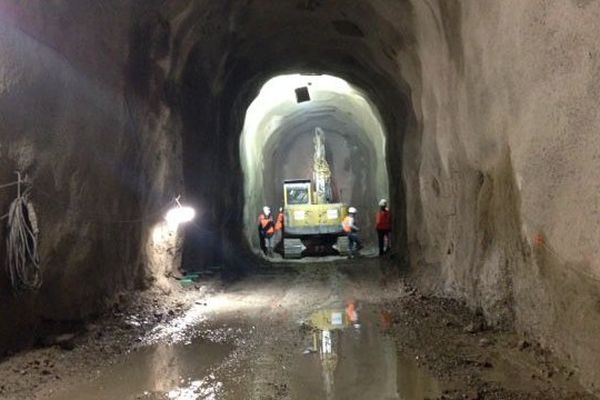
[(72, 122), (504, 207)]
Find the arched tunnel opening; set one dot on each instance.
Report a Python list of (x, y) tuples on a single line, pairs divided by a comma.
[(277, 144), (212, 166), (476, 121)]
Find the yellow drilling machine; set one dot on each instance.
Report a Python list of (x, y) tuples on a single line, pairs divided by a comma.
[(312, 222)]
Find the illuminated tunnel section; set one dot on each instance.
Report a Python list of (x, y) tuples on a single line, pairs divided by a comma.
[(277, 144)]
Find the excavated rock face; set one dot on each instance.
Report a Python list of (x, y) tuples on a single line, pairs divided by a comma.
[(506, 211), (98, 158), (490, 110)]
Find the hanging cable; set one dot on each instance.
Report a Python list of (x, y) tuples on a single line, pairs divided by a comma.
[(22, 261)]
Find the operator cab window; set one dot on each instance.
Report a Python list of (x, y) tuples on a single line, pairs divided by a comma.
[(297, 193)]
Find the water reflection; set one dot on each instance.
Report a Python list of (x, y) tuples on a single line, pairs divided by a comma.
[(180, 371), (326, 338), (205, 389), (357, 360)]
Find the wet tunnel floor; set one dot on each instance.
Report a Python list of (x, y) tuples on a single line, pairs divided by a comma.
[(344, 330), (341, 360)]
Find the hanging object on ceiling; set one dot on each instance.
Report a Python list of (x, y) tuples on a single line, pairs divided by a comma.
[(302, 94)]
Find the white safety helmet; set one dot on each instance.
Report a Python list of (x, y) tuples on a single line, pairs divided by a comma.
[(352, 210), (382, 203), (266, 210)]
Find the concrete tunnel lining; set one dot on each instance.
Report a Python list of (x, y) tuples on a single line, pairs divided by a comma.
[(274, 121)]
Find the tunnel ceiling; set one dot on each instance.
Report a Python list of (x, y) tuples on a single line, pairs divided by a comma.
[(237, 46)]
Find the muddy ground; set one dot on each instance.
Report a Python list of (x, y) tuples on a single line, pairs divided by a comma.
[(331, 330)]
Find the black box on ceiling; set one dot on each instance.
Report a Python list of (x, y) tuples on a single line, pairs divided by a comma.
[(302, 94)]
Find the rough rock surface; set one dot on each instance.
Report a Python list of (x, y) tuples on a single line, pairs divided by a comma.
[(71, 124), (266, 322), (491, 121), (506, 211), (490, 110)]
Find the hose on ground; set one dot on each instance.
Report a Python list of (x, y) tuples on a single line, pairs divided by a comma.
[(23, 261)]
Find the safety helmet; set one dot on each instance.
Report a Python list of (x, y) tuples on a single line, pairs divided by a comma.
[(266, 210), (382, 203), (352, 210)]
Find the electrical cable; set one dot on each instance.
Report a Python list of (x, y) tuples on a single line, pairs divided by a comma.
[(15, 183), (23, 261)]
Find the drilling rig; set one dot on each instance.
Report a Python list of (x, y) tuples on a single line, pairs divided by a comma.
[(312, 220)]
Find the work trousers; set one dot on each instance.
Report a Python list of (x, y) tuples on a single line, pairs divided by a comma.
[(261, 240), (353, 243), (382, 235), (269, 245)]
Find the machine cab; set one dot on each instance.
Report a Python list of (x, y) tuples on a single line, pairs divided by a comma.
[(297, 192)]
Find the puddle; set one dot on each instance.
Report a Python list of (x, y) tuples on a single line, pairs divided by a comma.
[(179, 371), (351, 357)]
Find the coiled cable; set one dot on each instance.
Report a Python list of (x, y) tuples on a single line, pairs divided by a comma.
[(23, 261)]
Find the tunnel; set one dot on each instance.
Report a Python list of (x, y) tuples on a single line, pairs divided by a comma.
[(277, 144), (477, 121), (240, 86)]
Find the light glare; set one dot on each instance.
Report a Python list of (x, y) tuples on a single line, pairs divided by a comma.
[(179, 215)]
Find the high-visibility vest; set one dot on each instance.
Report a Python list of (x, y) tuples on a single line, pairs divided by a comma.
[(351, 312), (347, 224), (279, 222), (266, 223), (383, 220)]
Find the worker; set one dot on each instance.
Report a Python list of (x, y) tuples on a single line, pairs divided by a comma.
[(266, 229), (351, 230), (279, 221), (352, 314), (279, 225), (383, 225)]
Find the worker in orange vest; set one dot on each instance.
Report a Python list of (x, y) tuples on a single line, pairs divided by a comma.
[(352, 314), (279, 220), (351, 230), (383, 225), (266, 229), (279, 225)]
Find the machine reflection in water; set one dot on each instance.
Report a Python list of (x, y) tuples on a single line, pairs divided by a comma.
[(358, 360), (326, 338)]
